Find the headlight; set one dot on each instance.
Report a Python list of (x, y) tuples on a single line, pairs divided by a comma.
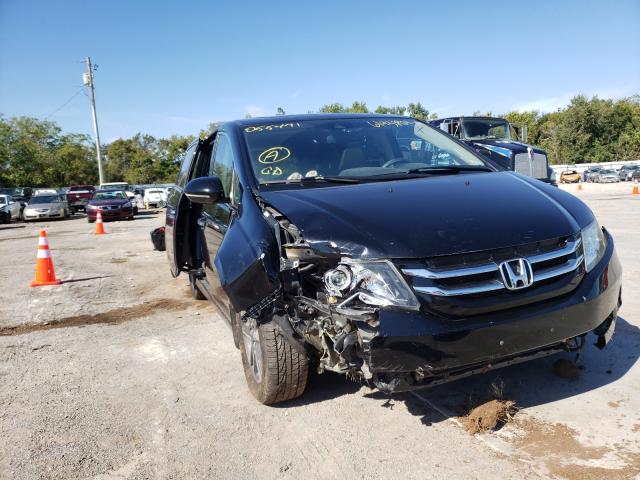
[(377, 283), (127, 205), (91, 207), (594, 245)]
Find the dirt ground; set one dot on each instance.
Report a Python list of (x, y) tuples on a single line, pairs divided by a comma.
[(119, 374)]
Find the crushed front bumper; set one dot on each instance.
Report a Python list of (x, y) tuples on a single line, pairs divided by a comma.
[(424, 350)]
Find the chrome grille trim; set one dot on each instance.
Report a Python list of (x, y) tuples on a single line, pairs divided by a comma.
[(479, 287), (536, 167), (471, 287), (458, 272), (568, 266), (568, 249)]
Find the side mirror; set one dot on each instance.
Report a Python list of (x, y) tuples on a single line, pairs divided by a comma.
[(205, 190)]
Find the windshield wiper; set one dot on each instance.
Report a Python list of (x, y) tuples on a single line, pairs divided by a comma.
[(317, 179), (450, 169)]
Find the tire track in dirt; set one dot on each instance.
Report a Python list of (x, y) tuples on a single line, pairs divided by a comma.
[(110, 317)]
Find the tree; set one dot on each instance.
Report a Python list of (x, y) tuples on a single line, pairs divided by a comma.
[(280, 111), (416, 110), (390, 110), (356, 107)]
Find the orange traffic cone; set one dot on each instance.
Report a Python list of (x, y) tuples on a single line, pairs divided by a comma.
[(99, 225), (45, 275), (635, 187), (580, 184)]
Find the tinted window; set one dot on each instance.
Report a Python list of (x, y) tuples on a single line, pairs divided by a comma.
[(222, 165), (110, 195), (44, 199)]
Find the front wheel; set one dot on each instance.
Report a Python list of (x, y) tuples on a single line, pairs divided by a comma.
[(275, 370)]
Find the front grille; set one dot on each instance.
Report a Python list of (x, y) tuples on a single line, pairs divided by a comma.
[(471, 283), (536, 168), (109, 207)]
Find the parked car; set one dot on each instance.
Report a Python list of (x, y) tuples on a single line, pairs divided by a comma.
[(112, 204), (570, 176), (19, 194), (9, 209), (78, 196), (155, 197), (590, 173), (44, 207), (626, 172), (304, 231), (135, 199), (606, 176)]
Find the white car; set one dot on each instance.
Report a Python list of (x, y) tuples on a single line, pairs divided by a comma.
[(156, 197), (136, 201), (9, 205)]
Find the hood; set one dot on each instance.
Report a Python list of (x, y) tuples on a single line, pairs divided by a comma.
[(504, 147), (109, 201), (430, 216), (44, 206)]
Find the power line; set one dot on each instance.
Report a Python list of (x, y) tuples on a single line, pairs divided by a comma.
[(65, 103)]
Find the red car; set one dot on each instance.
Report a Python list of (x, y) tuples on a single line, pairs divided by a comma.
[(78, 196), (112, 204)]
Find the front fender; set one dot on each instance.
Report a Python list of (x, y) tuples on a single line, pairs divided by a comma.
[(248, 260)]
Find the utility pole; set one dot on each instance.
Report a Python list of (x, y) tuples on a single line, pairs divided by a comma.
[(88, 81)]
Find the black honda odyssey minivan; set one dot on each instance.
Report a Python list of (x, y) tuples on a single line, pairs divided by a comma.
[(382, 248)]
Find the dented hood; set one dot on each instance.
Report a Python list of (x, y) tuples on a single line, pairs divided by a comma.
[(430, 216)]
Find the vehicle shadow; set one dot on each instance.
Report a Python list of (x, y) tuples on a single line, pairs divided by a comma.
[(147, 212), (527, 384), (535, 383), (11, 227), (321, 388)]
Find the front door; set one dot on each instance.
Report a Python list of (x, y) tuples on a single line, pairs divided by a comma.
[(216, 218)]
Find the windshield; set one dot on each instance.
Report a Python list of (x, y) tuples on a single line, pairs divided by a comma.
[(109, 195), (607, 171), (481, 129), (15, 192), (352, 148), (81, 188), (44, 199)]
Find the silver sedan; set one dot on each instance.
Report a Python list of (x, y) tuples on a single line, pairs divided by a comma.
[(45, 206)]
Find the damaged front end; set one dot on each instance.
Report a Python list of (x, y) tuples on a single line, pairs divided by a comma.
[(358, 316), (328, 300)]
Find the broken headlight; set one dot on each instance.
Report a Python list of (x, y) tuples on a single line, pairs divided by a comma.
[(378, 283), (594, 245)]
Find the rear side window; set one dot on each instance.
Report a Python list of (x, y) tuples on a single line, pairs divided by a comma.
[(183, 175)]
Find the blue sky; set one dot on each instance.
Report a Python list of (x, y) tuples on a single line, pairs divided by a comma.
[(173, 67)]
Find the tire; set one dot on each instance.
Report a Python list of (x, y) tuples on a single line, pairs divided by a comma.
[(282, 372), (195, 291), (89, 220)]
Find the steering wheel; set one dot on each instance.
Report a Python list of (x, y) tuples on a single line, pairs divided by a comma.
[(394, 161)]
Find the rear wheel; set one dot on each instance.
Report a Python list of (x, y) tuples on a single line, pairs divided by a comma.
[(275, 371)]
